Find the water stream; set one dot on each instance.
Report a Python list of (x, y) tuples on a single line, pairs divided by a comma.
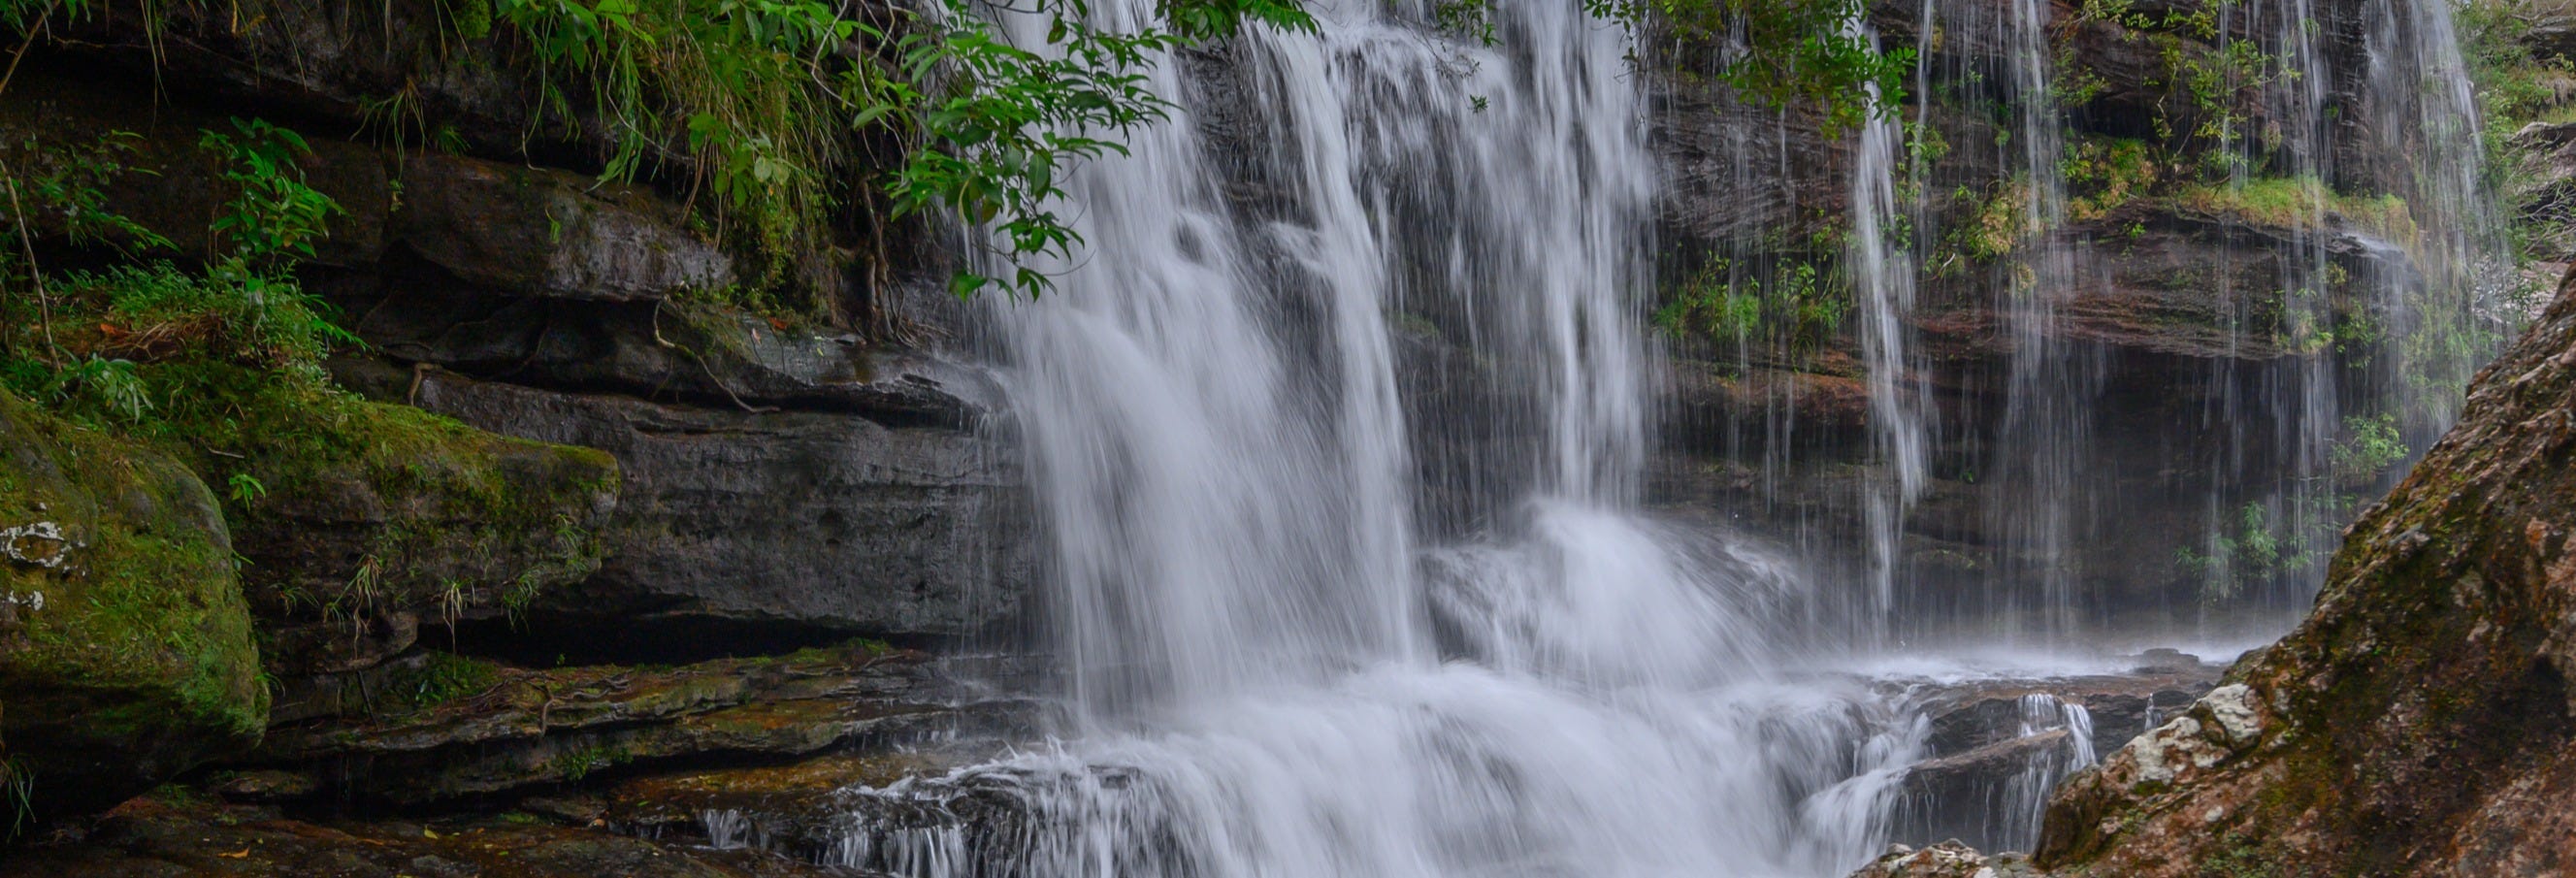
[(1340, 434)]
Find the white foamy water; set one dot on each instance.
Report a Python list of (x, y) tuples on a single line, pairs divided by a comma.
[(1275, 676), (1354, 258)]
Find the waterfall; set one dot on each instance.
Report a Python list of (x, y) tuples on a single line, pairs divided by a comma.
[(2353, 273), (1340, 432), (1286, 657)]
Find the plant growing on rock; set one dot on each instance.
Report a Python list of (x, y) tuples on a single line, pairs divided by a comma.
[(2256, 551), (2373, 445)]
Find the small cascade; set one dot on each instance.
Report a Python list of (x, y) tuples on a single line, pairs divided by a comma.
[(1463, 772), (2062, 238), (730, 829), (2046, 428), (1993, 793), (2025, 796)]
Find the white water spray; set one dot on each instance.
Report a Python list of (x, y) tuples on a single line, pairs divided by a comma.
[(1212, 411), (1278, 668)]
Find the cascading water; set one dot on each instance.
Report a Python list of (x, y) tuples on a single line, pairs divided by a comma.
[(2026, 795), (1214, 418), (1340, 434), (1899, 403), (2348, 286)]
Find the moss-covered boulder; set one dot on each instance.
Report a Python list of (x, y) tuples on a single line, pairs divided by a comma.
[(125, 647), (362, 520)]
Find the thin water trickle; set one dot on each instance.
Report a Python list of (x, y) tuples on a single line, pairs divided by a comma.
[(1900, 403)]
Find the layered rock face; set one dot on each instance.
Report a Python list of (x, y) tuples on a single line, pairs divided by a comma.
[(2419, 723), (562, 441), (2098, 396), (560, 291)]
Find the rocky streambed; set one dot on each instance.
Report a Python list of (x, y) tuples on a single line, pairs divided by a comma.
[(827, 761)]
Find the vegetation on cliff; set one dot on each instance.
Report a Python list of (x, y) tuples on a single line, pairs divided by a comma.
[(147, 375), (803, 128)]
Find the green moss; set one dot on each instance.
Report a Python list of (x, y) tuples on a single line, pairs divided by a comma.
[(582, 761), (1997, 222), (2300, 202), (143, 624), (2103, 174), (443, 678), (446, 517)]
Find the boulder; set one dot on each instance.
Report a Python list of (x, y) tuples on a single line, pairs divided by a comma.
[(1948, 859), (812, 520), (2420, 721), (126, 654), (1995, 749)]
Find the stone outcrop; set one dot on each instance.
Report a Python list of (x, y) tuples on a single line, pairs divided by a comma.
[(126, 653), (440, 728), (1948, 859), (582, 446), (1992, 748), (856, 494), (549, 233), (807, 519), (372, 519), (2419, 722), (2171, 298)]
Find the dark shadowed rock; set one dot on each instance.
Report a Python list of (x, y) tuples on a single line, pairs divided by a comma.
[(166, 837), (373, 518), (1994, 749), (668, 352)]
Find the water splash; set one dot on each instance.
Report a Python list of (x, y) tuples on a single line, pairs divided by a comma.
[(1273, 677)]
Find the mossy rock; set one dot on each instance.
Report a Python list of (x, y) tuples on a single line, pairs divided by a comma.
[(125, 645), (360, 520)]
